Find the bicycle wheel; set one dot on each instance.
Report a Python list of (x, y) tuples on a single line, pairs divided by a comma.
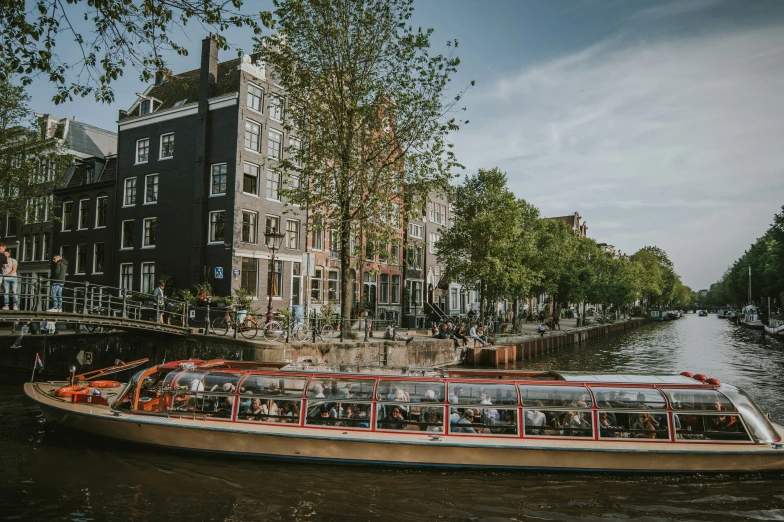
[(219, 326), (327, 332), (272, 330), (300, 333), (249, 328)]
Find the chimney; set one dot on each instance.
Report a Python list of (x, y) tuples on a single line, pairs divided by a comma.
[(209, 70), (161, 75), (123, 114)]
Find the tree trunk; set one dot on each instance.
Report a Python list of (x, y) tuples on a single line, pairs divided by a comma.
[(345, 272), (482, 302), (516, 312)]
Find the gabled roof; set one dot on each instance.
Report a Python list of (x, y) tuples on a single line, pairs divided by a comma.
[(105, 170)]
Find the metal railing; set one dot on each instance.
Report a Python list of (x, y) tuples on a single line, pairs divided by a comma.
[(35, 294)]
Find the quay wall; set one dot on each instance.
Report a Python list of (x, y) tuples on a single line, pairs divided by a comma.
[(508, 350)]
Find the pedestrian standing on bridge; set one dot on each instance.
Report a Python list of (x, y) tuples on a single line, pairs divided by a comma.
[(165, 307), (10, 284), (58, 280)]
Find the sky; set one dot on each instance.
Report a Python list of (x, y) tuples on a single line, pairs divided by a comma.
[(661, 123)]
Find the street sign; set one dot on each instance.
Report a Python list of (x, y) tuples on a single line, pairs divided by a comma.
[(236, 272), (218, 272), (192, 313), (309, 264)]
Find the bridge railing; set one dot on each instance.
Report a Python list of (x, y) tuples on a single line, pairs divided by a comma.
[(35, 294)]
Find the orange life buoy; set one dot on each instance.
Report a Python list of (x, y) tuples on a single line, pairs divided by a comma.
[(68, 391), (104, 384)]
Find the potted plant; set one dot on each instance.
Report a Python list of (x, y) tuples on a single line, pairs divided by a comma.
[(203, 290), (243, 303)]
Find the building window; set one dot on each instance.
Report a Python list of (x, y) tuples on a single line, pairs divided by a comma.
[(46, 243), (126, 240), (276, 108), (250, 179), (334, 244), (317, 235), (101, 210), (148, 278), (144, 107), (275, 279), (250, 227), (84, 214), (296, 283), (99, 251), (149, 232), (383, 254), (394, 254), (126, 276), (167, 146), (142, 150), (11, 224), (65, 252), (67, 215), (150, 189), (418, 259), (332, 286), (255, 98), (218, 184), (89, 174), (34, 254), (252, 136), (294, 155), (415, 230), (26, 248), (292, 231), (383, 291), (273, 185), (274, 145), (432, 243), (395, 291), (129, 192), (217, 226), (315, 287), (81, 259), (249, 275), (453, 298), (271, 222)]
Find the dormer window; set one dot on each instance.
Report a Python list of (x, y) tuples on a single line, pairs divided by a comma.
[(89, 174), (144, 107), (181, 102)]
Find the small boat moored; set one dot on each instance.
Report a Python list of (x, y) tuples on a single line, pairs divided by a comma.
[(429, 417), (702, 313), (775, 325), (750, 318)]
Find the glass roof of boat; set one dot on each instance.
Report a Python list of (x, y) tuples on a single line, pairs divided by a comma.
[(634, 379)]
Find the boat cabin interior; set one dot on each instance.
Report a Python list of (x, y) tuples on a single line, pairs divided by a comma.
[(460, 402)]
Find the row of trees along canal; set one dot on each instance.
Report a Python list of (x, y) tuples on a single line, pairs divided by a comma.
[(765, 258)]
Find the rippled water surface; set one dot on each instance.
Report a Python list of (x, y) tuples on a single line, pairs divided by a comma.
[(51, 474)]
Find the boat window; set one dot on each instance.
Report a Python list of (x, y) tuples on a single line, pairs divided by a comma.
[(555, 396), (346, 414), (328, 388), (261, 409), (273, 386), (221, 381), (719, 426), (557, 423), (410, 391), (186, 380), (476, 393), (483, 421), (754, 418), (637, 398), (633, 425), (216, 405), (691, 399), (410, 417)]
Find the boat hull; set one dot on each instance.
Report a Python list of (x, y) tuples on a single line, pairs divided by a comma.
[(776, 331), (753, 325), (402, 449)]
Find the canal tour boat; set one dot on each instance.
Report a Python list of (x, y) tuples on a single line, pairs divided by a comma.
[(486, 419)]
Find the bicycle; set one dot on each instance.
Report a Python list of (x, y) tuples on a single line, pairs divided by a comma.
[(273, 330), (248, 327), (321, 328)]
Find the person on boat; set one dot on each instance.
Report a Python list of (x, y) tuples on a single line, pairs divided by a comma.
[(336, 413), (395, 420), (288, 411), (465, 423), (644, 427), (430, 396), (429, 418), (254, 411), (473, 333), (392, 334), (507, 424), (535, 418), (319, 391), (491, 415), (606, 428), (363, 416)]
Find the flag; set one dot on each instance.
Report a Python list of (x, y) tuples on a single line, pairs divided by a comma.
[(39, 364)]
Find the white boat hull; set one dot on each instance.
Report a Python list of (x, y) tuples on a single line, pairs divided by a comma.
[(777, 331)]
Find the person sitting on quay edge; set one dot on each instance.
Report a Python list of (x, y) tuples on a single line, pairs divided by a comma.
[(541, 329), (392, 334), (473, 334)]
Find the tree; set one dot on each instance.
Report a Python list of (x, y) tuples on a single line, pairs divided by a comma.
[(651, 284), (115, 34), (371, 109), (480, 249), (32, 159)]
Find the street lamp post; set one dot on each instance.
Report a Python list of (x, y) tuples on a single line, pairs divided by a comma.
[(273, 240)]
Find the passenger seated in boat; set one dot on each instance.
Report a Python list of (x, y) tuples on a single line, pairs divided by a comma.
[(363, 416), (573, 425), (430, 396), (319, 391), (254, 411), (336, 413), (535, 418), (432, 422), (269, 411), (288, 411), (395, 420), (644, 427), (606, 428), (465, 423), (507, 424)]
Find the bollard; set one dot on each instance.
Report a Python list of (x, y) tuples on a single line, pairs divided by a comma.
[(207, 319), (366, 328)]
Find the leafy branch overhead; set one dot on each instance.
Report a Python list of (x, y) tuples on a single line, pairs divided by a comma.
[(109, 36)]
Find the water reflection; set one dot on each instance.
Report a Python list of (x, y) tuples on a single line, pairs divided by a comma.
[(52, 474)]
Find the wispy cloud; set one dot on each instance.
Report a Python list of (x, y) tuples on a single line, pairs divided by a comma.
[(651, 135)]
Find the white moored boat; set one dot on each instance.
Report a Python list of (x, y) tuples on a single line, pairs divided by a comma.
[(775, 325), (749, 317), (454, 418)]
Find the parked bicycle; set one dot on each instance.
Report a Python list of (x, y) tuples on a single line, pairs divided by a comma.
[(248, 327)]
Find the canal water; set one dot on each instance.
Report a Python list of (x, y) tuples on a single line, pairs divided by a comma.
[(52, 474)]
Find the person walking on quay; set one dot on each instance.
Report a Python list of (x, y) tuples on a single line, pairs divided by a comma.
[(58, 280), (556, 321), (10, 283)]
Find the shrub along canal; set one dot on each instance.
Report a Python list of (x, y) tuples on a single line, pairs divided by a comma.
[(52, 474)]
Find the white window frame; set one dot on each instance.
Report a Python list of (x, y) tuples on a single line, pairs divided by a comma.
[(268, 228), (86, 203), (62, 217), (122, 233), (278, 151), (125, 191), (95, 257), (210, 241), (288, 234), (146, 186), (161, 157), (257, 175), (280, 108), (212, 174), (416, 231), (151, 283), (255, 233), (144, 232), (136, 153), (76, 261), (260, 110), (97, 213), (268, 180), (130, 286), (258, 140)]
